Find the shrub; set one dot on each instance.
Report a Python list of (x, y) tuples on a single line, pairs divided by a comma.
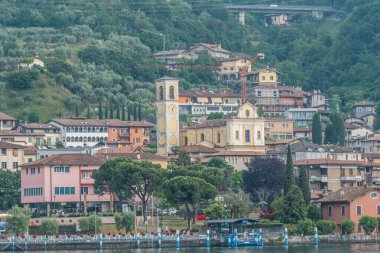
[(348, 226), (305, 226), (368, 223), (49, 226), (90, 224), (22, 79), (314, 212), (326, 227), (125, 221)]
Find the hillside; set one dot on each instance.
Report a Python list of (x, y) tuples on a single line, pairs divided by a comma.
[(94, 51)]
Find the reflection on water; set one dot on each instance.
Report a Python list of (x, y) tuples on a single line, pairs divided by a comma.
[(324, 248)]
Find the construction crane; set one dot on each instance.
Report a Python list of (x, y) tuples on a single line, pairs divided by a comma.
[(243, 75)]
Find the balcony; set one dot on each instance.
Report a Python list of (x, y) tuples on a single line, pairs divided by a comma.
[(351, 178), (322, 179), (376, 180), (124, 135), (87, 180)]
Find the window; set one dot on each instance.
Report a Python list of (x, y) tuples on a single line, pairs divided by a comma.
[(4, 165), (32, 191), (263, 78), (113, 129), (271, 78), (15, 165), (247, 135), (171, 92), (3, 151), (359, 210), (27, 171), (15, 152), (373, 195), (202, 137), (218, 138), (137, 140), (64, 190), (30, 160), (329, 210), (136, 130), (161, 93), (38, 170), (343, 210), (259, 93), (62, 169), (259, 135), (84, 190), (237, 135), (33, 171), (85, 174), (378, 209), (247, 113)]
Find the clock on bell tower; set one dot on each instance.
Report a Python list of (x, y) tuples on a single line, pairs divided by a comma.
[(167, 111)]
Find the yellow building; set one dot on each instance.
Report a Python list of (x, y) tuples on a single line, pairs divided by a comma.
[(167, 108), (230, 69), (51, 134), (243, 132), (266, 76)]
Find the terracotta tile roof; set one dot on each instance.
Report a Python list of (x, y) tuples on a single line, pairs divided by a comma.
[(30, 150), (348, 194), (326, 162), (199, 149), (170, 52), (209, 123), (267, 119), (17, 133), (66, 159), (302, 129), (10, 145), (100, 123), (207, 93), (39, 126), (373, 138), (4, 116), (110, 153), (212, 47), (235, 153), (364, 103)]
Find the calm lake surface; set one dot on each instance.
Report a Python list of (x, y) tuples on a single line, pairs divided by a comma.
[(324, 248)]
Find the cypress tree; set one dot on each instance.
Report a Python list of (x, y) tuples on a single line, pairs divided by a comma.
[(335, 132), (294, 208), (139, 111), (304, 186), (88, 112), (106, 112), (134, 112), (289, 172), (317, 129), (129, 114), (111, 112), (100, 111), (77, 111), (123, 113), (118, 112)]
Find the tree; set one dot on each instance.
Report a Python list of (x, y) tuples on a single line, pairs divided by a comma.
[(135, 112), (88, 112), (215, 115), (215, 211), (304, 186), (33, 117), (237, 181), (49, 226), (188, 191), (106, 112), (125, 221), (368, 223), (182, 157), (123, 113), (18, 222), (129, 114), (317, 129), (236, 204), (59, 144), (127, 178), (314, 212), (139, 115), (348, 227), (23, 79), (111, 111), (9, 189), (326, 227), (264, 178), (90, 224), (289, 172), (118, 112), (306, 226), (100, 110), (335, 132), (294, 206)]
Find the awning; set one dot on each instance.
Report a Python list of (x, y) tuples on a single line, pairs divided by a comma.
[(202, 100), (217, 100)]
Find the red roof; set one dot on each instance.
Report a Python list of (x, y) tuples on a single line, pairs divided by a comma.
[(101, 122), (326, 162), (66, 159), (348, 194), (109, 153), (208, 123), (207, 93), (236, 153), (10, 145), (4, 116), (199, 149)]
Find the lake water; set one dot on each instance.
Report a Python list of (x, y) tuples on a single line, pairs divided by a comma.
[(324, 248)]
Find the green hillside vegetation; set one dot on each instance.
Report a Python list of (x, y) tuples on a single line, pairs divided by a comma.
[(98, 51)]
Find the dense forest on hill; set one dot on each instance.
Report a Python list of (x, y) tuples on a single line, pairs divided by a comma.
[(99, 51)]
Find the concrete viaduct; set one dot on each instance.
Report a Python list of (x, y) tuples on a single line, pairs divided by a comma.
[(316, 11)]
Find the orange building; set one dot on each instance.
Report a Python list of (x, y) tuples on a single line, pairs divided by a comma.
[(133, 132), (351, 203)]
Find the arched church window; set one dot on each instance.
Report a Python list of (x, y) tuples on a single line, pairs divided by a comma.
[(237, 135), (247, 113), (259, 135), (161, 93), (171, 92)]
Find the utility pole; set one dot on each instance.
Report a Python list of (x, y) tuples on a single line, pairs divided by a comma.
[(163, 40)]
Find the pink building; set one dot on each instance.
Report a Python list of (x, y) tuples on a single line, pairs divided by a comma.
[(63, 182), (351, 203)]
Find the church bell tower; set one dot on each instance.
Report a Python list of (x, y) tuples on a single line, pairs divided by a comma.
[(167, 110)]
